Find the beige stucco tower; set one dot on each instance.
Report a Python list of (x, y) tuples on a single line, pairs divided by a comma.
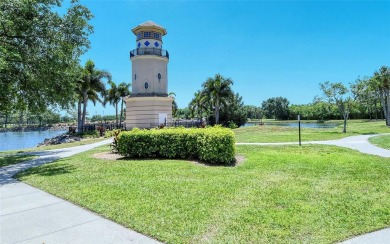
[(149, 105)]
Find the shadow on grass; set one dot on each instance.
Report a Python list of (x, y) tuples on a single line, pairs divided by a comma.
[(237, 161), (14, 159), (48, 170)]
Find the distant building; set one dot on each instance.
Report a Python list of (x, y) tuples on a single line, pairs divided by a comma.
[(149, 104)]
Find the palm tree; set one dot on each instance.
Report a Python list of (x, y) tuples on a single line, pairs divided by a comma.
[(217, 89), (113, 97), (124, 91), (90, 87), (197, 104)]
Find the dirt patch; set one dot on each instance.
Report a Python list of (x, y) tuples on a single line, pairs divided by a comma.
[(239, 159), (108, 156), (114, 156)]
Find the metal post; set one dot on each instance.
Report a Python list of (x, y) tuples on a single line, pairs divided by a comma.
[(299, 129)]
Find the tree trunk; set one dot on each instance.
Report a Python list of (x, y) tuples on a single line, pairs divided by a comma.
[(388, 108), (85, 103), (116, 114), (384, 106), (84, 116), (79, 122), (120, 121), (217, 111), (345, 123)]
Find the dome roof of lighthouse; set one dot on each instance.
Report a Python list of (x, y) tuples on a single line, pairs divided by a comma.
[(149, 25)]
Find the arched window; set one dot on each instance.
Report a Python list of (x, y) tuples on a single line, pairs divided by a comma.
[(146, 85)]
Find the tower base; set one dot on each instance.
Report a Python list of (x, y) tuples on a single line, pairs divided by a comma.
[(148, 112)]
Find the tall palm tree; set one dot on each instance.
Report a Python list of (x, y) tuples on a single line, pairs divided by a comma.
[(218, 89), (124, 91), (113, 97), (197, 104), (90, 87)]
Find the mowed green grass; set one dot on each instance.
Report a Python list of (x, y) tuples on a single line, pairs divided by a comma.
[(381, 141), (270, 133), (279, 194)]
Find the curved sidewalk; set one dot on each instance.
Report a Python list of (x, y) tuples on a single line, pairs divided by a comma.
[(359, 143), (29, 215)]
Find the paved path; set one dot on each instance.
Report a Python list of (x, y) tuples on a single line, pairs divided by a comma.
[(359, 143), (29, 215)]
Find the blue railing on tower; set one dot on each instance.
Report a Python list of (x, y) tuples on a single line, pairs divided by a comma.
[(149, 51)]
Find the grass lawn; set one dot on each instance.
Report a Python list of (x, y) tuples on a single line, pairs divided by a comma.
[(8, 159), (270, 133), (280, 194), (381, 141)]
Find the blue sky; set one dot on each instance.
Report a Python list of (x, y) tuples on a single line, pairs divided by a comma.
[(278, 48)]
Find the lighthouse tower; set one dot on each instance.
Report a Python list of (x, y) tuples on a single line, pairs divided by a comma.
[(149, 105)]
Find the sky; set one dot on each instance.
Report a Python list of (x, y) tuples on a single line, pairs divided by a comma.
[(268, 48)]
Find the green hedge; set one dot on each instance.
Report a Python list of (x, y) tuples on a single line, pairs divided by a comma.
[(212, 145)]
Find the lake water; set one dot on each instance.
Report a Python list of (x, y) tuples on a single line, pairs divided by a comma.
[(303, 125), (20, 140)]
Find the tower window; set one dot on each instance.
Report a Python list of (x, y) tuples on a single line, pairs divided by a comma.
[(135, 76), (159, 77), (147, 34), (146, 85), (139, 35), (156, 36)]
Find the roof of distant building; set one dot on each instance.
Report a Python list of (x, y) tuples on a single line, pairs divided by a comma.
[(149, 24)]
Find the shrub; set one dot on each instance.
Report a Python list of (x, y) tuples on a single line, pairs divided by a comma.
[(212, 144), (232, 125), (111, 133)]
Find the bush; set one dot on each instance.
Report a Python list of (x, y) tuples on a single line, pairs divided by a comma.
[(212, 145), (232, 125), (111, 133)]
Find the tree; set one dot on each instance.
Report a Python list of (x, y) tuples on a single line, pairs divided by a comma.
[(366, 95), (39, 52), (113, 97), (337, 93), (276, 107), (217, 89), (124, 91), (198, 105), (91, 87), (381, 82), (253, 112), (233, 111)]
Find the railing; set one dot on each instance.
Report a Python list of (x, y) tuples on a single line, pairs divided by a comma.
[(149, 51), (186, 124), (92, 127)]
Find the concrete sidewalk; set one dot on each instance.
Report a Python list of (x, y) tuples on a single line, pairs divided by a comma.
[(29, 215), (359, 143)]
